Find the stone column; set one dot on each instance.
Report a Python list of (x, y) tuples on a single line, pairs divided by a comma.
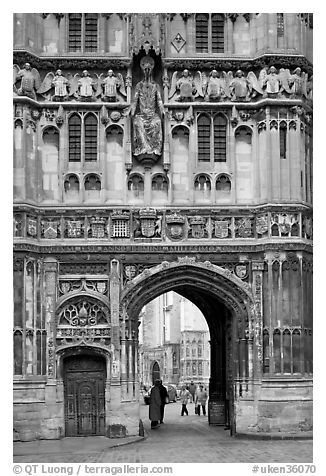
[(257, 280), (52, 424)]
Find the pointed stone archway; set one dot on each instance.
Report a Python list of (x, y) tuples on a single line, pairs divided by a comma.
[(229, 308)]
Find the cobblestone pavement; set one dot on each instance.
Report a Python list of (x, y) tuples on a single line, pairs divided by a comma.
[(186, 439)]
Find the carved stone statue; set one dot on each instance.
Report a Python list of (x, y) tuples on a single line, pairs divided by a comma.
[(217, 87), (187, 87), (57, 81), (111, 85), (30, 80), (60, 84), (86, 86), (298, 81), (147, 111), (241, 87), (272, 81)]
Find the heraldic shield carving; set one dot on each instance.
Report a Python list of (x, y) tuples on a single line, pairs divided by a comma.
[(175, 226)]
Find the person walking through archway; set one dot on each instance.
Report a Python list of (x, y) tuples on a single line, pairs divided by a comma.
[(184, 398), (164, 399), (155, 405), (192, 390), (200, 400)]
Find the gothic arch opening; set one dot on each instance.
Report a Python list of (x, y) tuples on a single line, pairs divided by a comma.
[(226, 304)]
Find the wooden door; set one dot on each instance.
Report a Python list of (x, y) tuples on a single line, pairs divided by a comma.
[(84, 396)]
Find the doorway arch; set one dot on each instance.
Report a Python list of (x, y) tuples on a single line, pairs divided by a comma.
[(228, 306), (156, 372), (84, 380)]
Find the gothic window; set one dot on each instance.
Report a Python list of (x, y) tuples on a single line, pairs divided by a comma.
[(194, 352), (296, 350), (283, 134), (160, 183), (200, 351), (83, 32), (90, 125), (212, 138), (209, 33), (202, 183), (223, 183), (219, 138), (188, 368), (204, 138), (286, 351), (187, 352), (200, 368), (74, 138), (92, 183), (71, 187), (202, 20), (217, 20), (18, 352), (136, 186)]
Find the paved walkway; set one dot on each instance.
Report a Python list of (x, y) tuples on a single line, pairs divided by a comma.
[(186, 439)]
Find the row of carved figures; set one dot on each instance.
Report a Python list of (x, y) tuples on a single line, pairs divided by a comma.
[(216, 86)]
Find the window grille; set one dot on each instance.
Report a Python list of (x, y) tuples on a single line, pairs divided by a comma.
[(217, 33), (90, 138), (83, 32), (75, 34), (121, 228), (74, 138), (219, 139), (90, 32), (202, 33), (204, 139)]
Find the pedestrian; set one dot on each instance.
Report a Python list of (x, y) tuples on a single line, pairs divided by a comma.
[(155, 405), (192, 389), (164, 399), (184, 398), (200, 400)]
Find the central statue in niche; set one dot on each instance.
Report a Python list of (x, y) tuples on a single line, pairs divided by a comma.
[(147, 111)]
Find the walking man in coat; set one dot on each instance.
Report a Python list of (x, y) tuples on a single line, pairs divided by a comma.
[(164, 399), (192, 390), (201, 398), (155, 405), (184, 398)]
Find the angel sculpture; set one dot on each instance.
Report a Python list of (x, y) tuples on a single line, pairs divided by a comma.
[(60, 84), (186, 87), (83, 87), (30, 80), (111, 86), (241, 88), (217, 86), (298, 81), (271, 80)]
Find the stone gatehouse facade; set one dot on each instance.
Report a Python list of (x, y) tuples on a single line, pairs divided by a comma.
[(155, 153)]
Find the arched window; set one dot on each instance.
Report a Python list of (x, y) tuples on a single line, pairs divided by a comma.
[(219, 138), (202, 183), (277, 350), (92, 182), (136, 186), (160, 183), (83, 32), (223, 184), (90, 125), (204, 138), (209, 33), (74, 127), (71, 184)]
